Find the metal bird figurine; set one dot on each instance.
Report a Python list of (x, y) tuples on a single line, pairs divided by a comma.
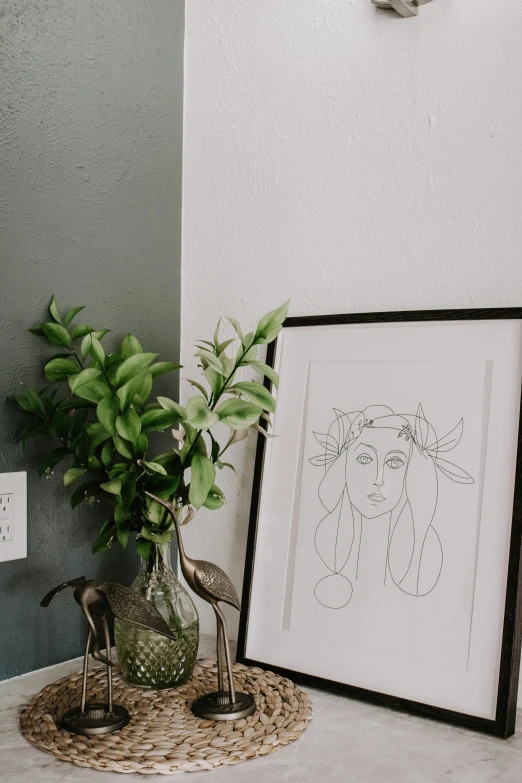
[(212, 585), (99, 599)]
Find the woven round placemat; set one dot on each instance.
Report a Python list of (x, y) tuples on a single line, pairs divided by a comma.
[(163, 735)]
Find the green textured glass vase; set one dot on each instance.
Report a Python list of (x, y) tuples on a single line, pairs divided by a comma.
[(147, 659)]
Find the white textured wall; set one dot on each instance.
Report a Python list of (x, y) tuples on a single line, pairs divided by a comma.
[(352, 160)]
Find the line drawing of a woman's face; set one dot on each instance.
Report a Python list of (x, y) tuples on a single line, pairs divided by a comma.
[(376, 466)]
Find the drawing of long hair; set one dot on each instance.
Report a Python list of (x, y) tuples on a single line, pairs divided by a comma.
[(338, 534)]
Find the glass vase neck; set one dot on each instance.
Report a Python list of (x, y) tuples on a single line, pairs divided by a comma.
[(159, 558)]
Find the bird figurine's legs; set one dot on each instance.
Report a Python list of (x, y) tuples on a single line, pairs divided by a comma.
[(85, 670), (223, 705), (97, 718), (109, 666), (221, 685), (224, 632)]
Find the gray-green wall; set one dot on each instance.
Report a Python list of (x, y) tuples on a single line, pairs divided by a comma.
[(90, 209)]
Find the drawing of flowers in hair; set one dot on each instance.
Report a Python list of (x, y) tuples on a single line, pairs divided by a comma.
[(381, 472)]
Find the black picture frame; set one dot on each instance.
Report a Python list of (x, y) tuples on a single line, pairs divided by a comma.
[(503, 725)]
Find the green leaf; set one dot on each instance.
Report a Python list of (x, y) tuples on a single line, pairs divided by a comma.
[(72, 314), (82, 447), (94, 391), (160, 368), (248, 340), (97, 351), (140, 386), (238, 414), (228, 366), (121, 514), (192, 438), (100, 333), (209, 360), (29, 431), (29, 402), (269, 336), (130, 346), (224, 345), (107, 453), (141, 445), (215, 449), (202, 478), (85, 376), (132, 367), (157, 538), (93, 463), (97, 434), (143, 547), (237, 327), (38, 330), (128, 425), (35, 401), (169, 460), (72, 474), (164, 486), (75, 403), (222, 465), (198, 386), (86, 345), (170, 405), (154, 512), (123, 536), (249, 356), (199, 415), (107, 411), (215, 498), (216, 334), (256, 393), (262, 431), (90, 385), (60, 369), (155, 467), (103, 541), (266, 370), (111, 363), (270, 322), (57, 334), (49, 462), (54, 311), (158, 420), (81, 492), (122, 447), (60, 424), (214, 379), (113, 486), (80, 331)]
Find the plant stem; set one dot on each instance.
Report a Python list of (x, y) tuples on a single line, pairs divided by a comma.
[(77, 358)]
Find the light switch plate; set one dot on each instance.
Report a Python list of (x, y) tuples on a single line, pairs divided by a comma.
[(13, 516)]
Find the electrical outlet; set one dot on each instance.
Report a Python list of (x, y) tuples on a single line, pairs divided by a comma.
[(13, 516), (6, 517)]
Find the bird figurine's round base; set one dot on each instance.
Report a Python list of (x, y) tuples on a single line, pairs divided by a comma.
[(217, 706), (95, 720)]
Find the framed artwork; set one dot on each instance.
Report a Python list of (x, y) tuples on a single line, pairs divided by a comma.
[(384, 544)]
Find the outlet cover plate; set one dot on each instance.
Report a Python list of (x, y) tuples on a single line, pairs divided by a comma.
[(13, 516)]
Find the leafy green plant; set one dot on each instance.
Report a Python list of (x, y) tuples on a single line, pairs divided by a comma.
[(103, 421)]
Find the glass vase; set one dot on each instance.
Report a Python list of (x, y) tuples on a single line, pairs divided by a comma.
[(148, 659)]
